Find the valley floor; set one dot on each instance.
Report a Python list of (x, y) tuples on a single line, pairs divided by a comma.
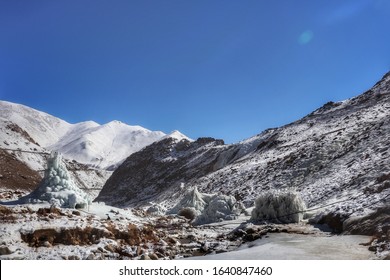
[(38, 231)]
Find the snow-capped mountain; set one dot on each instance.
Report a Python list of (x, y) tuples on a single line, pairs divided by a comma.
[(338, 153), (104, 146), (100, 146)]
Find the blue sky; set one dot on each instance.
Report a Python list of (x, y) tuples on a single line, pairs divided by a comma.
[(222, 68)]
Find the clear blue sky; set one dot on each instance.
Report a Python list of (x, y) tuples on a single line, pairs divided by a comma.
[(222, 68)]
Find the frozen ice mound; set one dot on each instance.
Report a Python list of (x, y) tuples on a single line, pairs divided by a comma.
[(279, 207), (207, 208), (57, 187)]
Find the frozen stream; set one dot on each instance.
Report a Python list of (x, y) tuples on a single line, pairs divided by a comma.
[(284, 246)]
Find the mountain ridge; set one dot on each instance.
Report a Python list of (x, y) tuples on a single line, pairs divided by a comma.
[(337, 152)]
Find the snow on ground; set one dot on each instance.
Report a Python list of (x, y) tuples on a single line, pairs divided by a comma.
[(105, 211), (31, 218), (36, 231), (90, 180)]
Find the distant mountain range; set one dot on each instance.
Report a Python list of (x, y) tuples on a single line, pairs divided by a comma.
[(100, 146)]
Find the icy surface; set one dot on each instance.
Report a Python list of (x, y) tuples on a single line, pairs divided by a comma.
[(282, 246)]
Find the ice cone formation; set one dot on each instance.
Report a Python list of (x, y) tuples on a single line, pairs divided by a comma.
[(58, 188)]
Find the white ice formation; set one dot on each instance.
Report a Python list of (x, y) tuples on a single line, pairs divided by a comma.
[(279, 206), (207, 208), (57, 187)]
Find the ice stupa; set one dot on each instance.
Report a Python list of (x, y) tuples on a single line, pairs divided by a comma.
[(207, 208), (279, 206), (57, 187)]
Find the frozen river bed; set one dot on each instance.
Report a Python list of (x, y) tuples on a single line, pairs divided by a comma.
[(284, 246)]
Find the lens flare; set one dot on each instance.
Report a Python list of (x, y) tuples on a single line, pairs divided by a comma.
[(305, 37)]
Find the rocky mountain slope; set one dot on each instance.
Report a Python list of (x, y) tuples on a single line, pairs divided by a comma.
[(337, 158), (15, 175), (160, 167)]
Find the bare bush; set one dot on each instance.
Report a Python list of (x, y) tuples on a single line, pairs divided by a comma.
[(279, 207), (7, 215), (188, 212)]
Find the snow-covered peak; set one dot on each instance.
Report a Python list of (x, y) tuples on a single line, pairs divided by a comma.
[(118, 125), (105, 145), (177, 135)]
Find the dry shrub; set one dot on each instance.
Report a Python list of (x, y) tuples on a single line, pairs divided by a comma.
[(89, 235), (7, 215), (68, 236), (5, 210), (134, 235), (383, 177), (188, 213), (51, 210)]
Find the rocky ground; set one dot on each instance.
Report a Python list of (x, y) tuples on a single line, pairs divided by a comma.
[(104, 232)]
